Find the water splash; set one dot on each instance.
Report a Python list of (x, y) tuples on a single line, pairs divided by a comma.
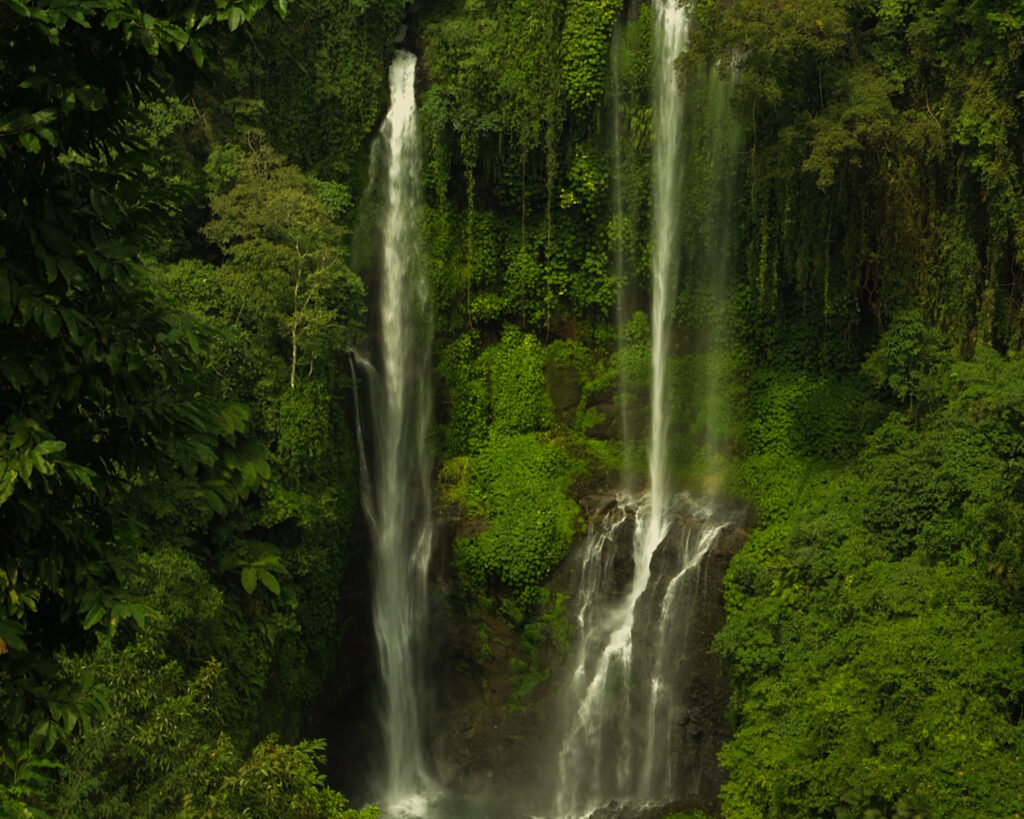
[(633, 624)]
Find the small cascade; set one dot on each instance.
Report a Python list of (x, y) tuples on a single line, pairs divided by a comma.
[(396, 486), (625, 694)]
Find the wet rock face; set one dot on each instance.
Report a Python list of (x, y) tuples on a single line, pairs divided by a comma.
[(703, 725), (702, 693), (482, 746), (620, 563), (617, 560)]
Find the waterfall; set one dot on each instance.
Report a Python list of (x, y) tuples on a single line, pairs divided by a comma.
[(396, 493), (623, 696), (670, 34)]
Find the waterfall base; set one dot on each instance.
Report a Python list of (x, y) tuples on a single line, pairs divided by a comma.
[(495, 762), (505, 759)]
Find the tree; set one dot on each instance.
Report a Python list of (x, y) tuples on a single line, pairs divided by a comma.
[(101, 392), (285, 272)]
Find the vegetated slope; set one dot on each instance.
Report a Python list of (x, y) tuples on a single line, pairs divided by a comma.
[(875, 633), (161, 468)]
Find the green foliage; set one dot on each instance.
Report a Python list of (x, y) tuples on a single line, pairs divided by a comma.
[(910, 360), (156, 549), (26, 777), (285, 276), (66, 106), (520, 482), (519, 400), (554, 622), (797, 430), (512, 460), (302, 425), (519, 176), (281, 556), (279, 780), (321, 81), (494, 75), (489, 267), (634, 356), (194, 285), (163, 749), (222, 167), (874, 636), (793, 415), (526, 671), (550, 627), (500, 389), (105, 395), (468, 400), (585, 38), (884, 175)]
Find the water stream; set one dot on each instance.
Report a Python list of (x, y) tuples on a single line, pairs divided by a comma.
[(396, 493), (623, 696)]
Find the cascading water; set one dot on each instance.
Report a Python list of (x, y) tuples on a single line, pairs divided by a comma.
[(623, 697), (396, 492), (670, 35), (624, 693)]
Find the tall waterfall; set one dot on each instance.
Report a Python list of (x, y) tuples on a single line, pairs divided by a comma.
[(670, 34), (637, 567), (396, 493)]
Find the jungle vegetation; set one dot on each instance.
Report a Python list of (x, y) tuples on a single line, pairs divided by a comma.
[(184, 265)]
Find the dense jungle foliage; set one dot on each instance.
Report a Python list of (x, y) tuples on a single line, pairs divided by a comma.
[(185, 263)]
